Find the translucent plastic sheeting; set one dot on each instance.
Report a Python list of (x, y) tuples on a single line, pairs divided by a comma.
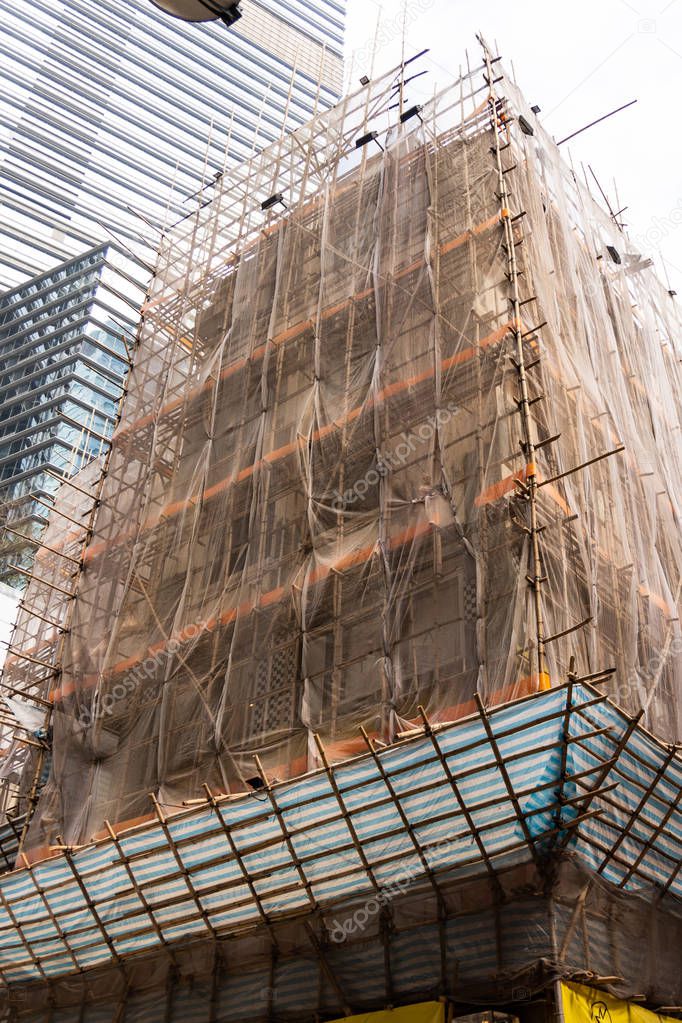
[(316, 516)]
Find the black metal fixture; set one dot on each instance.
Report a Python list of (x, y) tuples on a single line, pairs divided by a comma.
[(525, 126), (613, 253), (273, 200), (412, 112), (371, 136), (364, 80), (535, 108), (231, 15), (227, 11)]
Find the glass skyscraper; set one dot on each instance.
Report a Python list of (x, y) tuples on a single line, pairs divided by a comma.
[(115, 121), (113, 115), (65, 339)]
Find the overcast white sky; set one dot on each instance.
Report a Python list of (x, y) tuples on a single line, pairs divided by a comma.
[(577, 60)]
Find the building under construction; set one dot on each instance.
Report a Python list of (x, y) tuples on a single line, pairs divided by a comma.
[(362, 680)]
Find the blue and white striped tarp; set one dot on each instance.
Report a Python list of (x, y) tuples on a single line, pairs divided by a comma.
[(564, 769)]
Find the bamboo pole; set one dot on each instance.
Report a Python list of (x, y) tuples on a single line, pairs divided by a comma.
[(583, 465), (41, 582), (242, 866), (42, 618), (634, 814), (329, 973), (32, 660), (54, 510), (655, 834), (307, 886), (99, 923), (502, 767), (346, 814), (66, 479), (40, 892), (140, 894), (185, 873), (524, 404), (603, 774), (473, 830), (24, 694), (442, 909), (38, 543)]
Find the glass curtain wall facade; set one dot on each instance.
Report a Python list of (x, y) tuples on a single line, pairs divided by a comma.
[(113, 116), (117, 120), (64, 343)]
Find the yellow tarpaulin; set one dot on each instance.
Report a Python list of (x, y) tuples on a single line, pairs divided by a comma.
[(588, 1005), (423, 1012)]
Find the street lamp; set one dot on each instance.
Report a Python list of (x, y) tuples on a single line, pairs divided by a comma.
[(201, 10)]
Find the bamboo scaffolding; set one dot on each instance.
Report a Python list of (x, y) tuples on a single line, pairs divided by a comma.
[(187, 918), (184, 873), (208, 890), (649, 844), (428, 872), (432, 786), (141, 895), (242, 866), (286, 834), (64, 627), (634, 815), (607, 768), (498, 126), (167, 478)]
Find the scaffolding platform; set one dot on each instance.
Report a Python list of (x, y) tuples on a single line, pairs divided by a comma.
[(545, 789)]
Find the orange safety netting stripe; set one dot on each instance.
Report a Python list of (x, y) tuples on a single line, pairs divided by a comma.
[(296, 330), (175, 508)]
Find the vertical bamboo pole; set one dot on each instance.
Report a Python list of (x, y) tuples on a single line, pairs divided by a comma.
[(531, 478)]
